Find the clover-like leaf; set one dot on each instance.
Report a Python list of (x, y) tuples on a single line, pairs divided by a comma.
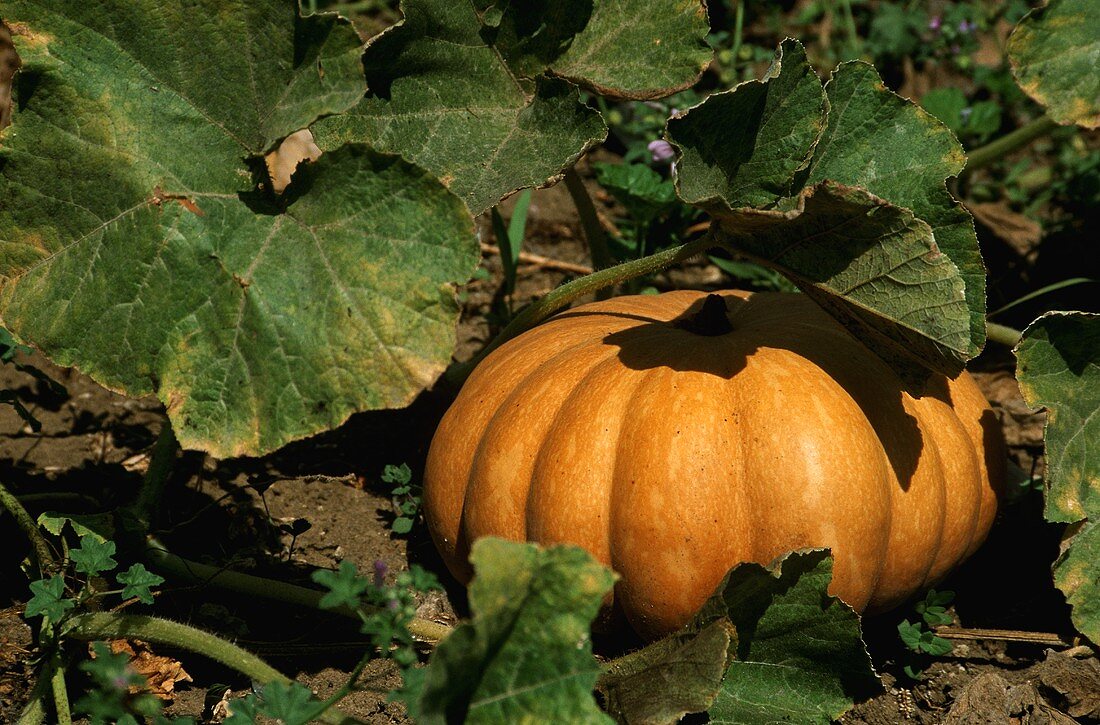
[(475, 92), (135, 244), (770, 161), (1054, 53), (290, 704), (799, 653), (527, 653), (1058, 367)]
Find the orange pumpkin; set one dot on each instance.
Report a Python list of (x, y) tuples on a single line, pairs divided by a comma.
[(674, 437)]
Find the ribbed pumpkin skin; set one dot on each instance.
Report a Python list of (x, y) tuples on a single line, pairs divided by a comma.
[(672, 456)]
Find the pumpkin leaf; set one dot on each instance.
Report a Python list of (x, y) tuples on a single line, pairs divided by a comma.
[(481, 99), (743, 147), (1053, 54), (527, 654), (904, 155), (137, 247), (799, 655), (668, 679), (1058, 367), (859, 235), (1077, 575), (868, 263)]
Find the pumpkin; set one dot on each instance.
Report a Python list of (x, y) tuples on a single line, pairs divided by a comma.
[(675, 436)]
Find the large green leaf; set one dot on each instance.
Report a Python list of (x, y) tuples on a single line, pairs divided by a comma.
[(134, 244), (743, 147), (799, 655), (893, 149), (858, 229), (1077, 575), (474, 92), (670, 678), (1055, 55), (527, 655), (1058, 366)]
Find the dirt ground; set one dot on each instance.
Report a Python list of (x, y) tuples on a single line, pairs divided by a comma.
[(93, 448)]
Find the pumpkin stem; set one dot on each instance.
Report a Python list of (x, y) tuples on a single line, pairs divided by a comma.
[(711, 319)]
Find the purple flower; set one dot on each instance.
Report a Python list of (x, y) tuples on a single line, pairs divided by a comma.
[(661, 152), (966, 26), (935, 22), (380, 570)]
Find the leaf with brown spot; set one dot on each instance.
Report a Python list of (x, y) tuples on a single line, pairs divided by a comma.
[(137, 245), (1054, 53)]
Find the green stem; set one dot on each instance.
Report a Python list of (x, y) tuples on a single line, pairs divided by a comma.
[(1001, 147), (162, 460), (538, 311), (60, 693), (34, 713), (590, 220), (161, 559), (112, 625), (1007, 336), (42, 554), (738, 31)]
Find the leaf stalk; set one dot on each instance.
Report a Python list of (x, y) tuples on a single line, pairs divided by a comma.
[(999, 148)]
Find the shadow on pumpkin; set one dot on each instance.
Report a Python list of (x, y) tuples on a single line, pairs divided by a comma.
[(708, 339)]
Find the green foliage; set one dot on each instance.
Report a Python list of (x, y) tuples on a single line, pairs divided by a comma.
[(933, 608), (345, 586), (974, 121), (48, 599), (1058, 367), (922, 640), (405, 496), (494, 105), (1053, 52), (799, 654), (510, 238), (527, 652), (253, 318), (93, 556), (137, 582), (842, 189)]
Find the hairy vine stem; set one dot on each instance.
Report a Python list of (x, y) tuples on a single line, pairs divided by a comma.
[(43, 556), (160, 558), (1001, 334), (561, 297), (162, 461), (998, 148), (112, 625)]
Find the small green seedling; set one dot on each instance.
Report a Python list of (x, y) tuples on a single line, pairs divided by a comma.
[(406, 497), (919, 637)]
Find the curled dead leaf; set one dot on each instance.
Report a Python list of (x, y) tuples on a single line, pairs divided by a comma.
[(160, 672)]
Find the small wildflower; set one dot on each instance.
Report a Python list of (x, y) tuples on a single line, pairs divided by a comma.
[(661, 151), (935, 22), (380, 570), (967, 27)]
